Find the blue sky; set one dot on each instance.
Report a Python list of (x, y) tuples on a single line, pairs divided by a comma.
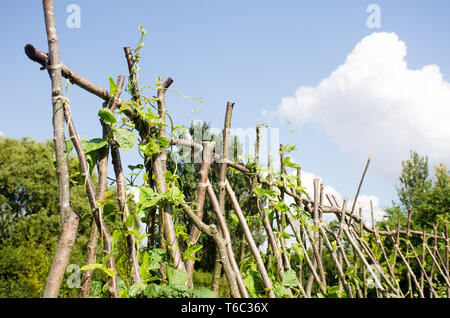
[(254, 53)]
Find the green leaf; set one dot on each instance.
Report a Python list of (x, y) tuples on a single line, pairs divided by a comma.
[(170, 177), (138, 166), (174, 195), (189, 253), (134, 232), (147, 194), (281, 291), (144, 268), (129, 221), (286, 235), (107, 271), (109, 212), (89, 267), (176, 276), (91, 153), (94, 144), (117, 234), (147, 199), (268, 193), (288, 163), (153, 290), (154, 265), (290, 278), (281, 206), (332, 289), (334, 245), (271, 215), (155, 258), (136, 289), (96, 288), (163, 142), (112, 86), (107, 116), (123, 294), (121, 285), (203, 293), (289, 148), (333, 292), (234, 219), (150, 148), (126, 138), (249, 282), (69, 146)]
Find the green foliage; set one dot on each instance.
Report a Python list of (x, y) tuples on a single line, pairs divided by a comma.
[(29, 217), (290, 279), (426, 197), (153, 285), (125, 138), (107, 116)]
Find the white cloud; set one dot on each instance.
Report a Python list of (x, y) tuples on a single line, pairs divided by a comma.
[(375, 103)]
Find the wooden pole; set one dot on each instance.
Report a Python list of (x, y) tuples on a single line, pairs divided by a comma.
[(69, 219)]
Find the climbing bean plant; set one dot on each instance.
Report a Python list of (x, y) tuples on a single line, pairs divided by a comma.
[(154, 250)]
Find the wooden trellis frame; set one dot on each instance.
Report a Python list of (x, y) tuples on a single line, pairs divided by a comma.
[(351, 233)]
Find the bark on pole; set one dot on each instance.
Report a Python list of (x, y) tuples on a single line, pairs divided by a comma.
[(424, 273), (108, 249), (69, 219), (121, 198), (339, 268), (408, 228), (359, 186), (91, 249), (159, 168), (300, 240), (212, 231), (251, 242), (91, 257), (361, 235), (265, 219), (208, 147), (317, 221), (447, 249), (282, 225), (205, 187), (223, 162), (222, 174), (386, 258), (227, 240), (421, 295)]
